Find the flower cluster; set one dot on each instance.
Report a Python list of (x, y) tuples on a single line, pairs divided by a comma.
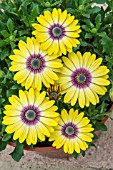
[(51, 71)]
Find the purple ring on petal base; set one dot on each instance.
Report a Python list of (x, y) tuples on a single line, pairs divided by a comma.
[(81, 78), (35, 63), (30, 115), (70, 130), (56, 32)]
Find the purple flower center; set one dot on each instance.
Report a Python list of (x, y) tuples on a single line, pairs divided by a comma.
[(69, 130), (57, 31), (30, 115), (81, 78), (35, 63)]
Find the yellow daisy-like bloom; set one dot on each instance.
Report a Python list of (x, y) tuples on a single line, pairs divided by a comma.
[(72, 132), (34, 66), (57, 31), (31, 116), (83, 78)]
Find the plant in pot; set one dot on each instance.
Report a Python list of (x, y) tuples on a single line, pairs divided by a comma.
[(55, 74)]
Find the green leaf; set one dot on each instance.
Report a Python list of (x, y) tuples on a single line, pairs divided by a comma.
[(6, 137), (3, 145), (107, 44), (35, 12), (88, 35), (83, 153), (75, 155), (86, 28), (95, 9), (100, 126), (99, 1), (10, 25), (18, 152), (5, 33), (9, 92), (2, 43), (98, 18), (4, 53), (2, 100)]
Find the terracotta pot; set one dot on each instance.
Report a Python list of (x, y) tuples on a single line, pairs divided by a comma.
[(52, 151)]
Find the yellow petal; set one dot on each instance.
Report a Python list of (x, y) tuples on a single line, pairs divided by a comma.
[(98, 89), (75, 97), (42, 20), (76, 146), (62, 16), (40, 99), (62, 47), (81, 98), (21, 75), (101, 81), (17, 58), (23, 48), (68, 63), (48, 15), (10, 120), (39, 27), (78, 118), (84, 137), (95, 64), (46, 105), (68, 21), (23, 98), (29, 81), (17, 67), (46, 44), (13, 127), (49, 114), (43, 37), (48, 121), (55, 15), (69, 94), (89, 94), (24, 133), (30, 45), (64, 116)]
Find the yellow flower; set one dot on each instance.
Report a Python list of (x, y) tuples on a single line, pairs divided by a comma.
[(34, 66), (72, 132), (54, 92), (57, 31), (83, 78), (31, 116)]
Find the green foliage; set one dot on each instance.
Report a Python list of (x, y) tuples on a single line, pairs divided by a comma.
[(18, 152)]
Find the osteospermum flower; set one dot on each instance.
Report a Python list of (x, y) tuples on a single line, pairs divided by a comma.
[(57, 31), (83, 78), (34, 66), (54, 92), (31, 116), (72, 132)]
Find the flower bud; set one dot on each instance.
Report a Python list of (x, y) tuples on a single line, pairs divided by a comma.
[(81, 7), (94, 30), (47, 4)]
